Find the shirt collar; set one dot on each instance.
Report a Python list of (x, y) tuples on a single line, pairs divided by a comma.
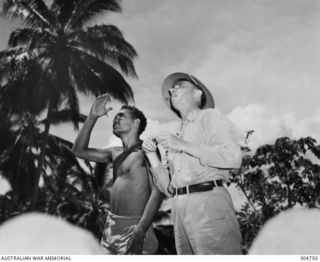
[(193, 115)]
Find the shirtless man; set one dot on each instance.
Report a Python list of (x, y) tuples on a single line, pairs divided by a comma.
[(133, 198)]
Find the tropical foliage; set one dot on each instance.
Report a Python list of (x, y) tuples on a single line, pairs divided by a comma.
[(277, 177), (73, 190), (56, 54)]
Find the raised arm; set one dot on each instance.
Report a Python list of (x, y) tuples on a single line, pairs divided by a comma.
[(80, 147)]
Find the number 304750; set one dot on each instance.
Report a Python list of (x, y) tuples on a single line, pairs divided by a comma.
[(312, 258)]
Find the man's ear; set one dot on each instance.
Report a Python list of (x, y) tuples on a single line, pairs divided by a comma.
[(198, 93), (137, 123)]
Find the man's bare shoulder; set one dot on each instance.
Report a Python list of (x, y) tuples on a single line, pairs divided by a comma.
[(114, 150), (136, 158)]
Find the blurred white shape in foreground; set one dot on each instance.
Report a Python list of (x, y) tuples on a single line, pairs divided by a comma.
[(42, 234), (292, 232)]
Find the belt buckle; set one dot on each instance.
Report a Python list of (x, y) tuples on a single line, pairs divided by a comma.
[(214, 184), (187, 188)]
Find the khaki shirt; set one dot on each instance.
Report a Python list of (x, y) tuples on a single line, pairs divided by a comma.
[(219, 151)]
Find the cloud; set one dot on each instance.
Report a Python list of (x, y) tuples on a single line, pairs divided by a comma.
[(114, 141), (153, 128), (269, 126), (246, 52)]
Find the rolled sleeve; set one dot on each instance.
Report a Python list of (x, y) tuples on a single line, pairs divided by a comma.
[(221, 149), (161, 179), (219, 156)]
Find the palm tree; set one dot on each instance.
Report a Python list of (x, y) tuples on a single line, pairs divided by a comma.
[(83, 197), (20, 142), (17, 163), (55, 54)]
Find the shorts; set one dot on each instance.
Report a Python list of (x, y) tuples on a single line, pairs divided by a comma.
[(118, 231)]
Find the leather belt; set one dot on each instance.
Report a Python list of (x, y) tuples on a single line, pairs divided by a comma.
[(201, 187)]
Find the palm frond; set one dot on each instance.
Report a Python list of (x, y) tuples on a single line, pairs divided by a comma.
[(61, 148), (108, 44), (73, 104), (23, 94), (31, 38), (63, 10), (19, 164), (34, 12), (16, 62), (86, 10), (13, 53), (20, 36), (13, 68), (97, 77), (64, 116), (109, 34)]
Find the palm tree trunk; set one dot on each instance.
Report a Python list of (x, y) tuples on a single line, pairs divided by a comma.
[(15, 188), (35, 187)]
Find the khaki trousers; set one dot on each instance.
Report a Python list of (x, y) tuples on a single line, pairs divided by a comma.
[(205, 223)]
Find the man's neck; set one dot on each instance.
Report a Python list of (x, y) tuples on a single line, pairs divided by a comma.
[(129, 141), (185, 110)]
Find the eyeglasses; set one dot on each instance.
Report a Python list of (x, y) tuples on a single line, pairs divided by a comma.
[(178, 85)]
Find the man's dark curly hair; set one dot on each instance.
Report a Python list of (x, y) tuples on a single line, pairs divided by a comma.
[(137, 114)]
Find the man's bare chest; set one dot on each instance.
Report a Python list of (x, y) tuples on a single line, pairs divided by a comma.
[(127, 165)]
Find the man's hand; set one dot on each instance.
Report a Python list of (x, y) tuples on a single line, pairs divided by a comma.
[(98, 108), (171, 142), (135, 244)]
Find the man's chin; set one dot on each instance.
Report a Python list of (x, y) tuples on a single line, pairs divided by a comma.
[(116, 133), (174, 105), (175, 100)]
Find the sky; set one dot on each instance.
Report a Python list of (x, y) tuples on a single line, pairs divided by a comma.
[(260, 60)]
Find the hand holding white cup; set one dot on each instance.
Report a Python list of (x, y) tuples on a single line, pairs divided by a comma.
[(170, 142)]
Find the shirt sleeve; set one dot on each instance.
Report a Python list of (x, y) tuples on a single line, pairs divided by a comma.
[(161, 179), (220, 149)]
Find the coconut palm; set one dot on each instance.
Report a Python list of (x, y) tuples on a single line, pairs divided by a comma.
[(17, 162), (84, 197), (55, 54), (20, 143)]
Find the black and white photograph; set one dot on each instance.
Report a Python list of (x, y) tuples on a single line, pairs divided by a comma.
[(159, 127)]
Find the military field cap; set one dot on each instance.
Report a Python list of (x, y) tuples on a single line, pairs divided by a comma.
[(173, 78)]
